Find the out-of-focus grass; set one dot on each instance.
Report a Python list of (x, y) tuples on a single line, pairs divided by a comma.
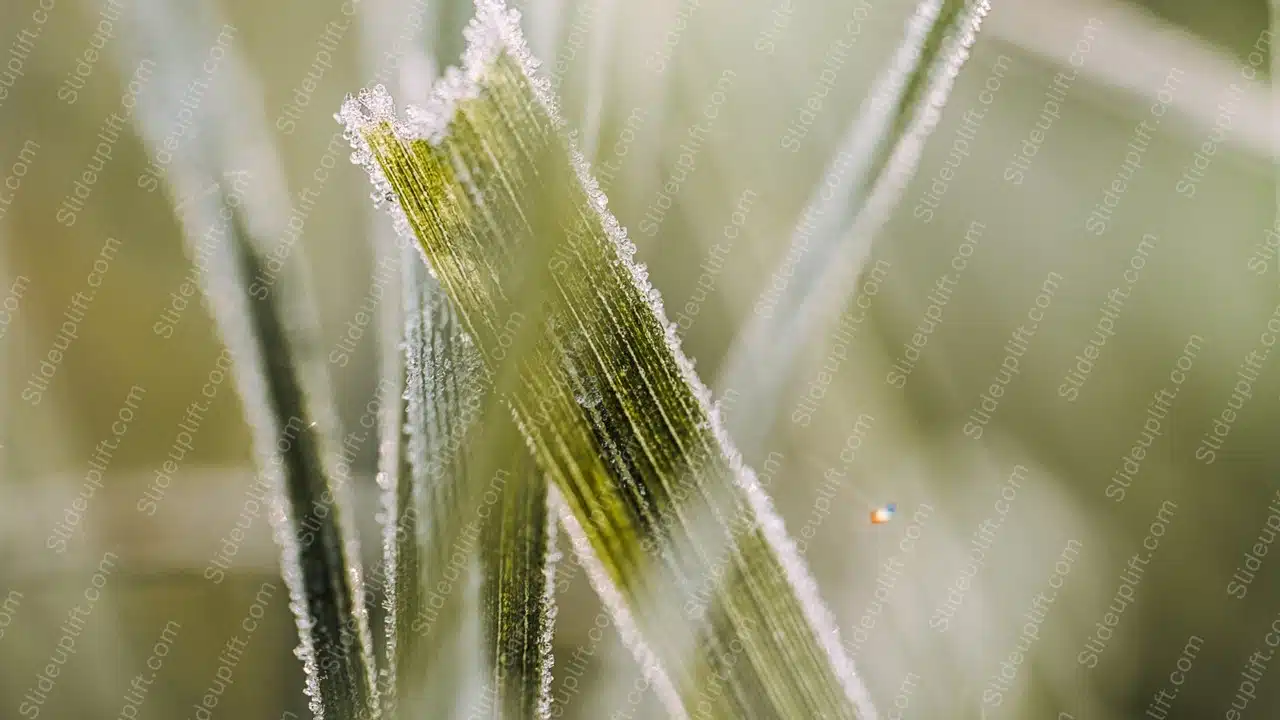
[(1197, 282)]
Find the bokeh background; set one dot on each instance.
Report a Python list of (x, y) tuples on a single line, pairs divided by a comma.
[(633, 78)]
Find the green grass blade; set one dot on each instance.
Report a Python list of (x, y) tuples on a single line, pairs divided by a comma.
[(612, 410), (320, 555), (471, 514), (517, 595), (283, 393)]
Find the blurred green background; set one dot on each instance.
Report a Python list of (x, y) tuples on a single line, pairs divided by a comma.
[(1212, 273)]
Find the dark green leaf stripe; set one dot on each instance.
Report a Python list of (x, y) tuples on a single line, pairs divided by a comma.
[(285, 396)]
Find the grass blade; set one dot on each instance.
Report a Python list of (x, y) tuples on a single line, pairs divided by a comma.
[(442, 406), (610, 407), (320, 555), (518, 595), (508, 539), (833, 239), (310, 507), (284, 391), (285, 398)]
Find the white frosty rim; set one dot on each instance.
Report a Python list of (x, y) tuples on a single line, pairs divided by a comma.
[(495, 29)]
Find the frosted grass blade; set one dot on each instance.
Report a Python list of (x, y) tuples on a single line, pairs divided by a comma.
[(484, 514), (284, 391), (502, 497), (443, 398), (517, 595), (832, 241), (606, 401), (480, 512), (320, 555), (310, 509)]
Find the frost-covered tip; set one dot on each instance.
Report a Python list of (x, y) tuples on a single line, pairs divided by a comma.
[(493, 30), (369, 108)]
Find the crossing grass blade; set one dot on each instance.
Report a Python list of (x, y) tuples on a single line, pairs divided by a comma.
[(608, 405)]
